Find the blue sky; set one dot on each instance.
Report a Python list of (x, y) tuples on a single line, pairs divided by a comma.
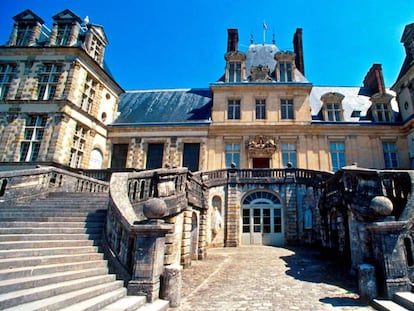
[(180, 44)]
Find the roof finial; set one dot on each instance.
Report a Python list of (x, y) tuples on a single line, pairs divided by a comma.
[(251, 39), (86, 20), (273, 38)]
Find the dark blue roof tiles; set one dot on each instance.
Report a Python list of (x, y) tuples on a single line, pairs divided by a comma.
[(165, 106)]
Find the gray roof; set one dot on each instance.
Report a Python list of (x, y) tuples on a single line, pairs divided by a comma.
[(176, 106), (193, 106), (356, 99), (264, 55)]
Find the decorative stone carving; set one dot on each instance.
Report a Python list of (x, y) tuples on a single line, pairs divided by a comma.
[(154, 208), (261, 146), (260, 74)]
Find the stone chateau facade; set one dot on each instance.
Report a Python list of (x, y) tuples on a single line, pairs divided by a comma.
[(262, 139)]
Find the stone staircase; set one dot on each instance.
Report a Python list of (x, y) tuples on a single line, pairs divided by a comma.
[(401, 301), (50, 257)]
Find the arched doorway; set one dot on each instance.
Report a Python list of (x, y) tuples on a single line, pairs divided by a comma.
[(262, 219)]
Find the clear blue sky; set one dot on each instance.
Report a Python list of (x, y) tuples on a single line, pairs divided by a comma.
[(180, 44)]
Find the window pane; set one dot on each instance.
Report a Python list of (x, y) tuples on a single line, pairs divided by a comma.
[(191, 156), (154, 156)]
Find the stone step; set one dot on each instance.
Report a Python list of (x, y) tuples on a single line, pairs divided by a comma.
[(127, 303), (43, 237), (33, 266), (157, 305), (62, 230), (405, 299), (51, 224), (387, 305), (19, 297), (65, 300), (48, 215), (19, 245), (18, 253), (15, 284)]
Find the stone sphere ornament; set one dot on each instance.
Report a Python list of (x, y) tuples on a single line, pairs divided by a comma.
[(154, 208), (381, 205)]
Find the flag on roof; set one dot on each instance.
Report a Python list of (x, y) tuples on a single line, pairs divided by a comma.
[(264, 26)]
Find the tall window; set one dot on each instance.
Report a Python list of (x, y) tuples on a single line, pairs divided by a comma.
[(96, 48), (390, 155), (260, 109), (289, 154), (7, 73), (232, 154), (286, 106), (119, 155), (88, 94), (154, 156), (63, 32), (48, 80), (235, 72), (24, 33), (33, 134), (191, 156), (333, 112), (233, 109), (337, 155), (78, 145), (383, 112), (285, 70)]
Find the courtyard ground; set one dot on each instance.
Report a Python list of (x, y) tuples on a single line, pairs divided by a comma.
[(267, 278)]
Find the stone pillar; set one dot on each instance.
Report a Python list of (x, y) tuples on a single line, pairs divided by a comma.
[(232, 217), (367, 285), (149, 248), (171, 285)]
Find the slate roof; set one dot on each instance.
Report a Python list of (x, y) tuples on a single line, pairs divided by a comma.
[(176, 106), (263, 54), (356, 99), (193, 106)]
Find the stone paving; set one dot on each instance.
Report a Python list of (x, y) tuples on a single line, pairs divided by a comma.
[(266, 278)]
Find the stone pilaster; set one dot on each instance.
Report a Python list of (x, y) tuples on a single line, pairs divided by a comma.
[(186, 241), (291, 215), (232, 217)]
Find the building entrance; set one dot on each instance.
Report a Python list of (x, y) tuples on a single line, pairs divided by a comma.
[(262, 219), (261, 163)]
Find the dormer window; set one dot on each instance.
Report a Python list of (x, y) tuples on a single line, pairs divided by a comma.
[(235, 72), (96, 49), (332, 107), (62, 35), (27, 29), (24, 35), (285, 67), (381, 108)]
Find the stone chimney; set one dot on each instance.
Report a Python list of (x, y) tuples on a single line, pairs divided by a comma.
[(298, 49), (232, 40), (374, 80)]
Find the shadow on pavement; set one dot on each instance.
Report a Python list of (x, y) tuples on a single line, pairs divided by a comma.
[(307, 264)]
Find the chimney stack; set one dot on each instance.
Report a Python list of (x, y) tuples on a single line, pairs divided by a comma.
[(374, 79), (298, 49), (233, 40)]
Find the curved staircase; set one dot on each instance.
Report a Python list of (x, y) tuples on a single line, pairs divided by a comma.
[(50, 257)]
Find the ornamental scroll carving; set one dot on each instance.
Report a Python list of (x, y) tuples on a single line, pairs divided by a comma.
[(261, 146)]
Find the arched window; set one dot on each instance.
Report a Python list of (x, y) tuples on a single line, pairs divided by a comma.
[(95, 161)]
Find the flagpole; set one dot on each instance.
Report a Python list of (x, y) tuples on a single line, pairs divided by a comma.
[(264, 32)]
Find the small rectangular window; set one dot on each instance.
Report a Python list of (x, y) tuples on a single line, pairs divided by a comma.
[(235, 72), (288, 154), (191, 156), (286, 106), (232, 155), (260, 109), (333, 112), (154, 156), (285, 70), (390, 155), (233, 109), (337, 155)]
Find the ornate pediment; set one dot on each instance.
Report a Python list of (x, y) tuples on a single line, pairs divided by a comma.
[(261, 146), (260, 74)]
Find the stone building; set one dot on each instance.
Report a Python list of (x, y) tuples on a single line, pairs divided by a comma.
[(59, 103), (57, 96)]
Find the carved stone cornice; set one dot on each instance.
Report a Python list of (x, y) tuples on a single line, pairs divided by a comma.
[(261, 146)]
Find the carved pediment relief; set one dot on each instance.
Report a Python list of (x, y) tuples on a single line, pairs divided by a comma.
[(261, 146), (260, 73)]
